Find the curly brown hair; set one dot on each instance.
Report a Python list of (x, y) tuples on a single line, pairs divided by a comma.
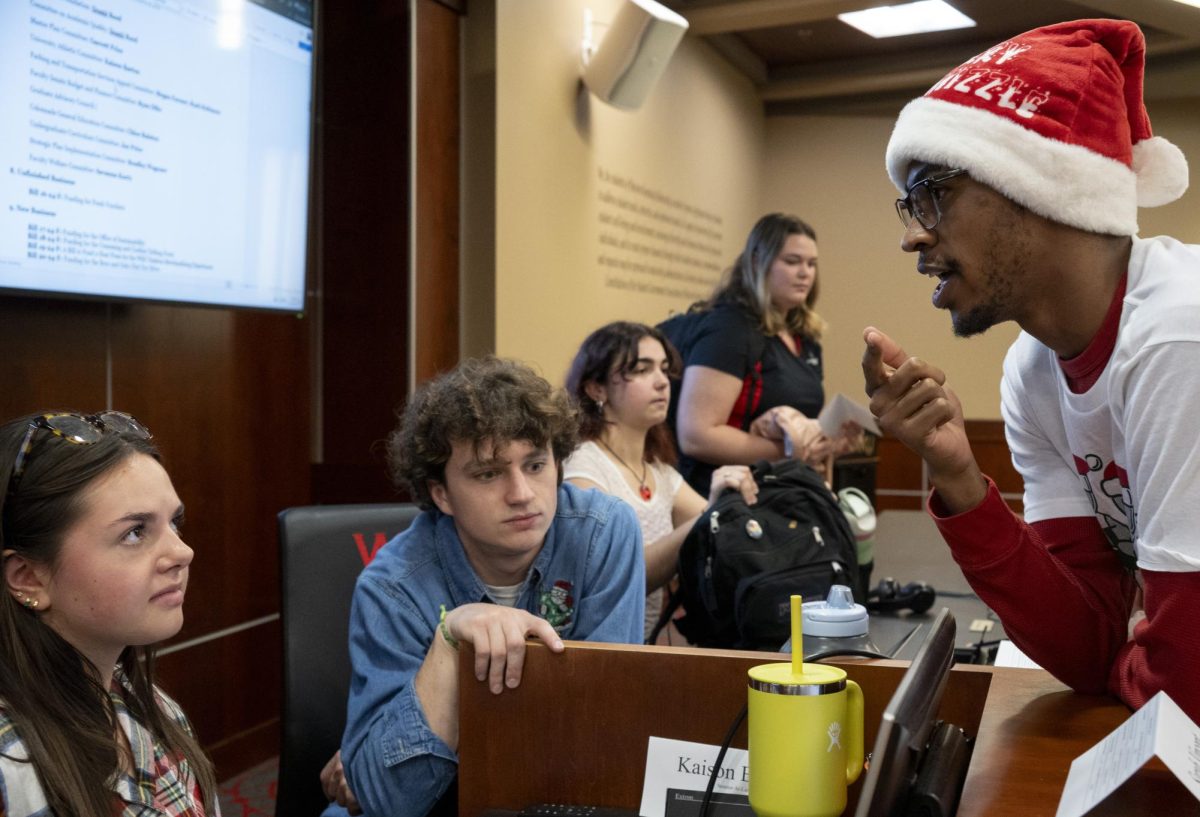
[(481, 400)]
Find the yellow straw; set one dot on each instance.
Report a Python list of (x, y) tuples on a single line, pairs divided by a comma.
[(797, 637)]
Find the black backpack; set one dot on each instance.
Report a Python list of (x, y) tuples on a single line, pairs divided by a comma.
[(740, 565)]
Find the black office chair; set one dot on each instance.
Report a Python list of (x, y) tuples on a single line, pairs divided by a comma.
[(322, 549)]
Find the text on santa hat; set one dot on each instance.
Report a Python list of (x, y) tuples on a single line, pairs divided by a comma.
[(998, 87), (999, 54), (1002, 90)]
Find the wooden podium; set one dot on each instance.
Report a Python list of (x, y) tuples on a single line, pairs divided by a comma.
[(576, 729), (578, 724)]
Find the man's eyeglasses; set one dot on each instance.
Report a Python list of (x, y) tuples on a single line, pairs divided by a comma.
[(921, 202), (77, 429)]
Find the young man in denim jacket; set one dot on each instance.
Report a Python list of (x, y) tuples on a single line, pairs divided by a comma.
[(503, 552)]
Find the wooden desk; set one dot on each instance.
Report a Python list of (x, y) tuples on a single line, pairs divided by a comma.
[(575, 731), (1032, 728)]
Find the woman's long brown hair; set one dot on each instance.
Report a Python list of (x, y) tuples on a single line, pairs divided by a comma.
[(745, 283), (49, 690)]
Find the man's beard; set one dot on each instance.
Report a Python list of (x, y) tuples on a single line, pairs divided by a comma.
[(975, 321), (996, 285)]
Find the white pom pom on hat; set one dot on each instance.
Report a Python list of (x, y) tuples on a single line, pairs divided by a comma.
[(1053, 119), (1162, 172)]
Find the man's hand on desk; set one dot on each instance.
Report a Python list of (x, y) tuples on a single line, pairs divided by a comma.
[(498, 635)]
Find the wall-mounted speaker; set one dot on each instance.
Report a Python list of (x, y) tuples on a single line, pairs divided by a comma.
[(634, 52)]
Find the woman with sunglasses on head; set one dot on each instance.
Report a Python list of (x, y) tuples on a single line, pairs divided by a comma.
[(752, 381), (95, 573), (619, 379)]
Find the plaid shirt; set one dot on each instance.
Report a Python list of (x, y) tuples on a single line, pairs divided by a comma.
[(159, 785)]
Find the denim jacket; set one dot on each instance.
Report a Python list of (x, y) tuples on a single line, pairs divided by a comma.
[(588, 581)]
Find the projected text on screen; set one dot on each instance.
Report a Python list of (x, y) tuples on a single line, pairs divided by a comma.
[(155, 149)]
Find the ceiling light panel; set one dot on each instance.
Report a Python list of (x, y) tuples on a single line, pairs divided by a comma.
[(909, 18)]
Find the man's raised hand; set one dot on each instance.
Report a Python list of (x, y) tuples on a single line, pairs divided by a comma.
[(913, 404)]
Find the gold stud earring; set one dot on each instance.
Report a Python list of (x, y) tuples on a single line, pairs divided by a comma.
[(32, 604)]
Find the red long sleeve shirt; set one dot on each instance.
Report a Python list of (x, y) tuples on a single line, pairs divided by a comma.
[(1066, 601)]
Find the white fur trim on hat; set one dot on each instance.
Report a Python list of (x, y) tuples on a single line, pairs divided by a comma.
[(1065, 183)]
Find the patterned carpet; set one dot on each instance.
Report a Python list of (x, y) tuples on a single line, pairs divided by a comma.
[(251, 793)]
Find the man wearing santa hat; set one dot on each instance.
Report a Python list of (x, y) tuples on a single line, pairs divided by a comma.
[(1021, 173)]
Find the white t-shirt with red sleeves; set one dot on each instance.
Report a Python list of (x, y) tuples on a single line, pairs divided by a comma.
[(1126, 450)]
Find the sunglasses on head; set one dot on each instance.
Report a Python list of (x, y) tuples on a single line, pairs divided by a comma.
[(77, 429)]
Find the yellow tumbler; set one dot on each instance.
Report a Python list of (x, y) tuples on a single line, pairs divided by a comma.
[(806, 736)]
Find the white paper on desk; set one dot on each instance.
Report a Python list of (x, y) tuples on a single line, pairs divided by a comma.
[(1009, 654), (1158, 728), (680, 769), (842, 409)]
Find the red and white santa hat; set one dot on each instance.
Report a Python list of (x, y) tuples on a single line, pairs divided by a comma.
[(1054, 120)]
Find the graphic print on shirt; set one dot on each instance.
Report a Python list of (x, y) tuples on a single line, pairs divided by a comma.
[(1107, 487), (557, 605)]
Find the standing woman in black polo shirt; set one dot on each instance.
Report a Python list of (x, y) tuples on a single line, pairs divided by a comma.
[(752, 377)]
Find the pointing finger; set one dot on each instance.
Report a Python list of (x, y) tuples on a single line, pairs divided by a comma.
[(875, 371)]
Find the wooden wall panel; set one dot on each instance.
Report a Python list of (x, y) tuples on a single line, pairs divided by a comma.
[(899, 477), (232, 687), (52, 355), (993, 456), (363, 222), (899, 470), (366, 219), (436, 216), (225, 393)]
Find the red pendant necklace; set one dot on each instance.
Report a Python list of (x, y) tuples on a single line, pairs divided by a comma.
[(643, 488)]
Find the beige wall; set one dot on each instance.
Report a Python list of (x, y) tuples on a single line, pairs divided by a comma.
[(697, 142), (535, 146), (829, 170)]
